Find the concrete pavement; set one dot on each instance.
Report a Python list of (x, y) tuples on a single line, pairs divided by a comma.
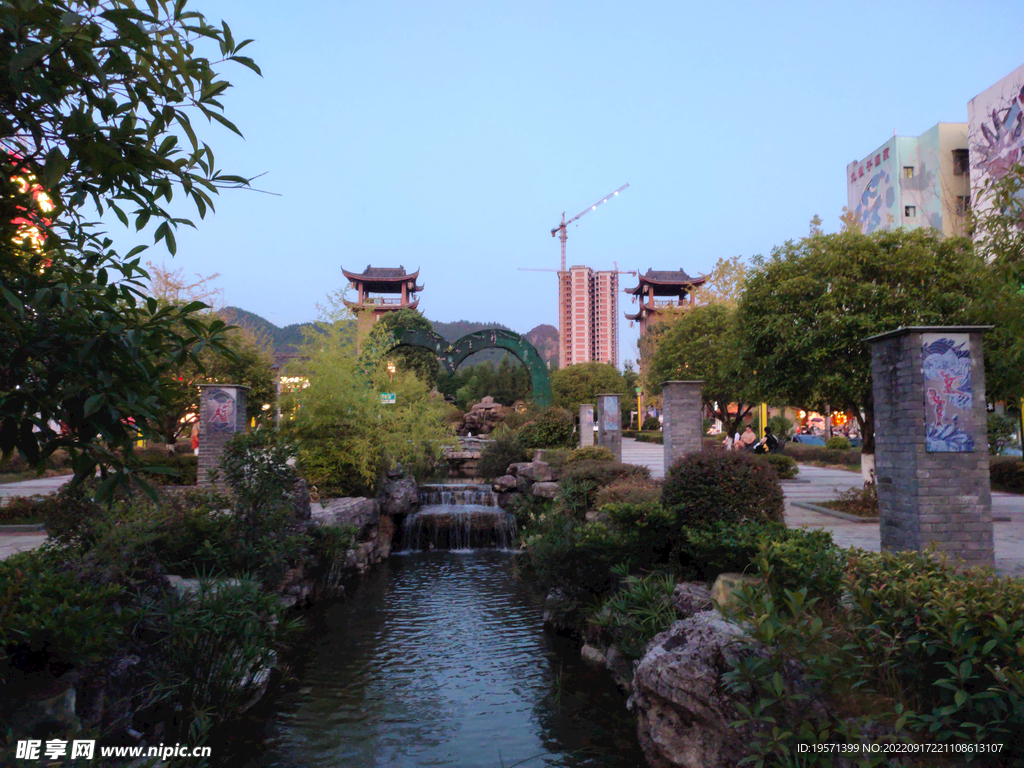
[(40, 486)]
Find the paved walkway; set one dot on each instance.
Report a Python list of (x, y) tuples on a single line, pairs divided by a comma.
[(39, 486)]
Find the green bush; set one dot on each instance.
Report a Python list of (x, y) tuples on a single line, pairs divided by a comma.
[(629, 490), (590, 453), (553, 428), (838, 443), (184, 467), (637, 612), (1007, 474), (722, 485), (780, 426), (556, 458), (1002, 433), (503, 449), (581, 481), (22, 510), (785, 466), (819, 454), (954, 638), (651, 423)]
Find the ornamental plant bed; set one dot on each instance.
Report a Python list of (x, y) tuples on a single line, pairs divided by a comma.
[(862, 502)]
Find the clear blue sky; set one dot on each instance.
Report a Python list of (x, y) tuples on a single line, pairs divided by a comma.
[(451, 136)]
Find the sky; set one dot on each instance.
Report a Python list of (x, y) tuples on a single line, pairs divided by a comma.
[(450, 137)]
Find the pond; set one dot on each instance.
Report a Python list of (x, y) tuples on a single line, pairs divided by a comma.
[(440, 659)]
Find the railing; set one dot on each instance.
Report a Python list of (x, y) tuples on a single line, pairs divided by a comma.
[(380, 300)]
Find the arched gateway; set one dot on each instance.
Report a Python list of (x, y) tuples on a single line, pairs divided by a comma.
[(451, 355)]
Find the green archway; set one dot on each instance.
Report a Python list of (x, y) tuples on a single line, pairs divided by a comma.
[(450, 356)]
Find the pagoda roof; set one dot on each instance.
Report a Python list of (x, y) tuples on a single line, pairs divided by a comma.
[(669, 281), (384, 279)]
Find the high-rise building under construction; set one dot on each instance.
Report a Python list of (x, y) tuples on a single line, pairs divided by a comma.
[(588, 304)]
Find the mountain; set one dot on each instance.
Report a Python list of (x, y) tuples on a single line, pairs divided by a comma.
[(545, 339), (286, 340)]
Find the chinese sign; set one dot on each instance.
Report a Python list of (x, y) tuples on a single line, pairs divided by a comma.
[(387, 398), (948, 401)]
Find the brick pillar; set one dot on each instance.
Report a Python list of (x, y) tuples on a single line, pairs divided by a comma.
[(931, 441), (586, 425), (221, 416), (682, 419), (609, 424)]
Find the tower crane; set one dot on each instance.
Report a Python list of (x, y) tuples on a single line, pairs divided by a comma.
[(560, 229)]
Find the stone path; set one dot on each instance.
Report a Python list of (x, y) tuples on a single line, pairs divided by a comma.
[(820, 484), (39, 486)]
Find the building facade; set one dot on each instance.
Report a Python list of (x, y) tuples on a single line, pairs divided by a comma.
[(995, 120), (913, 182), (588, 305), (661, 292)]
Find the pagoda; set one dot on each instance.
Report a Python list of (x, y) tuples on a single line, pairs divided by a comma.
[(673, 286), (380, 290)]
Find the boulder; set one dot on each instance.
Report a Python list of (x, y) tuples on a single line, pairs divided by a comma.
[(546, 490), (538, 471), (722, 589), (504, 484), (683, 708), (300, 500), (691, 597), (593, 655), (399, 496), (593, 516), (359, 512)]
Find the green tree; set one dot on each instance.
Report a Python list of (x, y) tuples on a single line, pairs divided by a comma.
[(806, 311), (583, 382), (725, 283), (97, 105), (420, 361), (705, 343)]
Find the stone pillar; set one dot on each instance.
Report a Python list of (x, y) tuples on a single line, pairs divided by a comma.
[(931, 441), (586, 425), (221, 416), (682, 419), (609, 424)]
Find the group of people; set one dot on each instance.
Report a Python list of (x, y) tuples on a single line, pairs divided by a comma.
[(747, 441)]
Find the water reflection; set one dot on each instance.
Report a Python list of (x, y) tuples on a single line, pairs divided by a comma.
[(440, 659)]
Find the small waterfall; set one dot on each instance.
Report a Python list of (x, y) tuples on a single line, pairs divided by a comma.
[(465, 526), (458, 494)]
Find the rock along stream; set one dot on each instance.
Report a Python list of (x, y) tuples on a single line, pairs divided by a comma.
[(439, 658)]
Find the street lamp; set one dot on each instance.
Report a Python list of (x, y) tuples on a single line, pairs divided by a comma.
[(391, 371)]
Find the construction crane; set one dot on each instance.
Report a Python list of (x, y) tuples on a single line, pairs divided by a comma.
[(560, 229)]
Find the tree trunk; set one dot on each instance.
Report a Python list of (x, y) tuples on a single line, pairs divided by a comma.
[(867, 433)]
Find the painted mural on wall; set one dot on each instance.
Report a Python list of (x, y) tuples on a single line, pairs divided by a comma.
[(220, 411), (871, 188), (611, 414), (948, 402), (923, 189), (996, 132)]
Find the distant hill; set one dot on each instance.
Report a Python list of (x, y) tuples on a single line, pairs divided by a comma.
[(545, 339), (286, 340)]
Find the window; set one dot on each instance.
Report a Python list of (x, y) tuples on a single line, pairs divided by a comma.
[(908, 171), (909, 211), (963, 204), (961, 162)]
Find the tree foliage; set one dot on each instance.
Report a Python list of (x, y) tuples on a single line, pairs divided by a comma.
[(97, 99), (507, 383), (583, 382), (808, 308), (725, 283), (704, 343), (420, 361)]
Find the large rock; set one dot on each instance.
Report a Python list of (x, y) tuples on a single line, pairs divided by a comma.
[(399, 496), (546, 490), (727, 583), (535, 471), (691, 597), (300, 500), (359, 512), (504, 484), (683, 708)]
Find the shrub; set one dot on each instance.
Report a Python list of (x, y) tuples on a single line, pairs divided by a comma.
[(184, 467), (838, 443), (553, 428), (1002, 433), (781, 426), (584, 479), (819, 454), (21, 510), (590, 453), (629, 490), (720, 485), (785, 467), (504, 449), (256, 468), (556, 458), (1007, 475), (860, 500), (799, 558), (651, 423), (952, 637), (637, 612)]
